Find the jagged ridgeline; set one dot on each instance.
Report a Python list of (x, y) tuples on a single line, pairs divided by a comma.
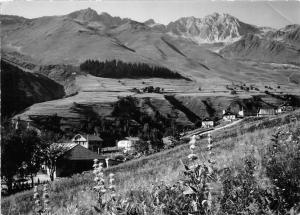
[(120, 69)]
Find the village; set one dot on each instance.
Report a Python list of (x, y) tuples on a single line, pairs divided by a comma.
[(78, 153)]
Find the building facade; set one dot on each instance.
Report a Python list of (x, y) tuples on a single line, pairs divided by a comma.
[(91, 142)]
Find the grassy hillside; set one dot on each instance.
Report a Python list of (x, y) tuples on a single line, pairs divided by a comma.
[(136, 179)]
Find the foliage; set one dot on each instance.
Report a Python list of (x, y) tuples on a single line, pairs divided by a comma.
[(233, 92), (242, 181), (20, 153), (281, 161), (120, 69)]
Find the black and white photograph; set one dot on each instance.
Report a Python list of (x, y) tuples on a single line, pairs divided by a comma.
[(126, 107)]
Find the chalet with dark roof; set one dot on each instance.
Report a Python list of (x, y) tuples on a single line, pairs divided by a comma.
[(267, 109), (77, 159)]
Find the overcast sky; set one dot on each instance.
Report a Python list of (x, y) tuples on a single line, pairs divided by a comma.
[(266, 13)]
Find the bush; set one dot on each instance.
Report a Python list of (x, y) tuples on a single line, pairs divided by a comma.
[(232, 92), (281, 161)]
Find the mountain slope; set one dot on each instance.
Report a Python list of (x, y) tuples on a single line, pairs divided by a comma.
[(281, 46), (21, 89)]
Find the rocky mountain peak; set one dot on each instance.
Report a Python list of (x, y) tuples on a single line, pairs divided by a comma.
[(84, 15), (149, 22), (212, 28)]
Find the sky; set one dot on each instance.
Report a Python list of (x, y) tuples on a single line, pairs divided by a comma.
[(274, 14)]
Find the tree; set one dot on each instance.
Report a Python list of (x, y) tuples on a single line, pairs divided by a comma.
[(52, 151), (233, 92), (11, 155), (20, 153), (32, 150)]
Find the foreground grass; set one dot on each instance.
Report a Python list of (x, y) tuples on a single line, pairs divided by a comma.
[(74, 194)]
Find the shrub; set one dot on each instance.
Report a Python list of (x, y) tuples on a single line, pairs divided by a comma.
[(281, 161), (232, 92)]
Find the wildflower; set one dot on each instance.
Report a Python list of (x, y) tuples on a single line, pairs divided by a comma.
[(36, 195), (192, 156), (112, 187), (204, 202)]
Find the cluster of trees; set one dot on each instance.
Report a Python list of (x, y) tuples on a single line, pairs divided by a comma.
[(148, 89), (24, 151), (120, 69)]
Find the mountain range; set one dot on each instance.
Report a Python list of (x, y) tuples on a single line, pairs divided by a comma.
[(73, 37), (211, 52)]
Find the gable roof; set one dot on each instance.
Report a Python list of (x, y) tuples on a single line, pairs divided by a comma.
[(93, 137), (86, 137), (228, 113), (264, 105), (78, 152), (132, 138), (207, 119), (64, 146)]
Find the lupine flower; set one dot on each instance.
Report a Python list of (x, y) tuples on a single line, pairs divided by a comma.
[(99, 179), (112, 187)]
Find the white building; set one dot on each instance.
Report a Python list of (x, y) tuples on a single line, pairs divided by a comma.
[(228, 116), (128, 143), (207, 123), (241, 113), (91, 142)]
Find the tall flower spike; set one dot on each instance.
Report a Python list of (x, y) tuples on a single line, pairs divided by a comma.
[(210, 171), (46, 198), (99, 179), (192, 156), (112, 187)]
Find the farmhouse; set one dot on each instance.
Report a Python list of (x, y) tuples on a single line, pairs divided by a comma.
[(75, 159), (267, 110), (91, 142), (207, 123), (228, 116)]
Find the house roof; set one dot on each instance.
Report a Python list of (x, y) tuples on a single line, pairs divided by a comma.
[(64, 146), (207, 120), (89, 137), (264, 105), (132, 138), (93, 137), (77, 152), (228, 113)]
